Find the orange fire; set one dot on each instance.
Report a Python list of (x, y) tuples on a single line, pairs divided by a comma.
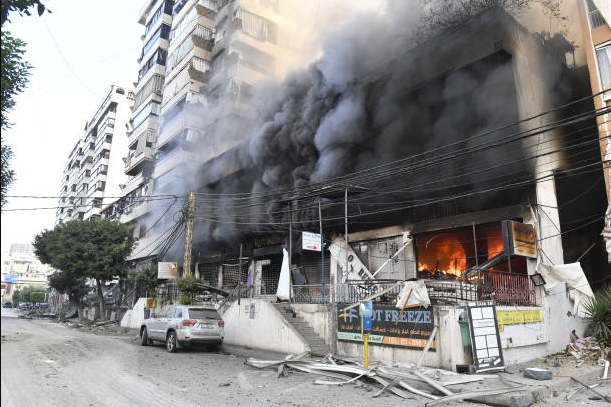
[(444, 253)]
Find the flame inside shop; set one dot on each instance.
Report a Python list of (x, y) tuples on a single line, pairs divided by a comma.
[(447, 254)]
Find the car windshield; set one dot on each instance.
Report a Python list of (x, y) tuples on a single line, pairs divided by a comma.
[(201, 313)]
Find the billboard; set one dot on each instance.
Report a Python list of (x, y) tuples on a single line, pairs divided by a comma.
[(167, 269), (520, 239), (9, 278), (390, 326)]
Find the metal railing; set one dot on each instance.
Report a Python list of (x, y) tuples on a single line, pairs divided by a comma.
[(508, 288), (596, 19), (503, 288)]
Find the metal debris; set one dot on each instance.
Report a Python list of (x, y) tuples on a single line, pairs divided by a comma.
[(403, 382)]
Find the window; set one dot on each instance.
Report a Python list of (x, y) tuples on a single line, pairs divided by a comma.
[(603, 55), (162, 32), (100, 185), (178, 313), (202, 313), (159, 57), (151, 108), (164, 8)]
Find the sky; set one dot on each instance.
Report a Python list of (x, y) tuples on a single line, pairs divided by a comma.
[(77, 51)]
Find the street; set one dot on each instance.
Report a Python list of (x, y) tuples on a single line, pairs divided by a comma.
[(48, 364)]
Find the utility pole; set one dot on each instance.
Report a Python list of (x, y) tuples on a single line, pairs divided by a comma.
[(240, 275), (290, 250), (346, 228), (322, 253), (189, 235)]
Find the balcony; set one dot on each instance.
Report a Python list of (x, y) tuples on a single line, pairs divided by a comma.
[(149, 125), (175, 126), (207, 7), (596, 19), (135, 160), (154, 85)]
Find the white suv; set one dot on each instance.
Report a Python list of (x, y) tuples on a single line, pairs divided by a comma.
[(183, 325)]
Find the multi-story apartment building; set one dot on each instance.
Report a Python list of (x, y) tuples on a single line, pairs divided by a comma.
[(94, 171), (156, 17), (21, 268), (596, 15), (596, 24), (199, 62)]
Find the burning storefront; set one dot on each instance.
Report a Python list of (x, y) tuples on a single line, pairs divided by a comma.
[(446, 171)]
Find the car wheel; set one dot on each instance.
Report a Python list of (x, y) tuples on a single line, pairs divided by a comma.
[(144, 337), (170, 342)]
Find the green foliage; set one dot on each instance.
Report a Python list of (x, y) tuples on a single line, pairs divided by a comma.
[(15, 73), (86, 249), (8, 175), (14, 78), (22, 7), (90, 249), (189, 285), (37, 296), (185, 299), (598, 312), (27, 294), (70, 284), (148, 277)]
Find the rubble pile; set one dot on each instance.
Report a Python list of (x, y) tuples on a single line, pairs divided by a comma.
[(587, 349), (436, 386), (98, 327), (36, 313)]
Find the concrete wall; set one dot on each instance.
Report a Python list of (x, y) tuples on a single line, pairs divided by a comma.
[(134, 317), (262, 328)]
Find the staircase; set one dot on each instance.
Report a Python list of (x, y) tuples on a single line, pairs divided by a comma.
[(317, 345)]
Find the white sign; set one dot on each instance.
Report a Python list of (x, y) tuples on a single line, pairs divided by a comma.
[(167, 269), (310, 241)]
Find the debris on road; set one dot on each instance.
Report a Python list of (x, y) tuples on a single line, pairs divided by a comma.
[(407, 383), (537, 373)]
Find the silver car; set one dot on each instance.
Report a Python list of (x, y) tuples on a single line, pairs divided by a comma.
[(183, 325)]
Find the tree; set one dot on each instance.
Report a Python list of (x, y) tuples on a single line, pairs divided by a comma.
[(21, 7), (87, 249), (14, 78), (73, 286), (16, 298)]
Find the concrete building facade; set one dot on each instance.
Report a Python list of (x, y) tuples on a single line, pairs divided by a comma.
[(21, 269), (93, 174)]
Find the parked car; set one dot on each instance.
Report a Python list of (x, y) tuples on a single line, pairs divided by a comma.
[(183, 325), (7, 304), (25, 305)]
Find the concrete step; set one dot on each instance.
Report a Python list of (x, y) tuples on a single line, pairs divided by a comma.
[(315, 342)]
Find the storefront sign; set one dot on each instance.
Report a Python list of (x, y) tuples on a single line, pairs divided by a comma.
[(520, 239), (390, 327), (9, 278), (167, 269), (519, 317), (485, 340), (311, 241)]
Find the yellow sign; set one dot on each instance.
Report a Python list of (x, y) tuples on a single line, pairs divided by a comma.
[(519, 317), (151, 303)]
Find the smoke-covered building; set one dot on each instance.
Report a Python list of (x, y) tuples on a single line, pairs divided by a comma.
[(465, 163), (199, 63), (435, 166)]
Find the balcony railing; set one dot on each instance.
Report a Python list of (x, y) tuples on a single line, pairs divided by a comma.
[(596, 19), (503, 288)]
